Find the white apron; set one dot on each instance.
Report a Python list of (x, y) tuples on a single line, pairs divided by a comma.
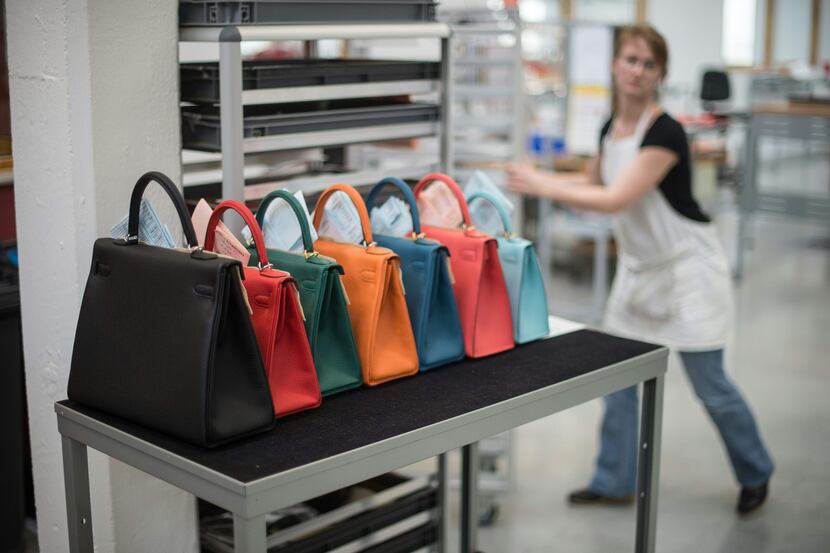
[(672, 284)]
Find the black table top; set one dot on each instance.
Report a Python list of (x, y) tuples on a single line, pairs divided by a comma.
[(364, 416)]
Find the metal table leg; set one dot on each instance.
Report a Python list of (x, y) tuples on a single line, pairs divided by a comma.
[(469, 498), (249, 534), (649, 465), (76, 481), (443, 502)]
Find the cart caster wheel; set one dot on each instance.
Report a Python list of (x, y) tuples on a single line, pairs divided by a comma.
[(488, 516)]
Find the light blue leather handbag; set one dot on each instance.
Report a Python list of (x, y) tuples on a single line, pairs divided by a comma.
[(525, 286), (428, 284)]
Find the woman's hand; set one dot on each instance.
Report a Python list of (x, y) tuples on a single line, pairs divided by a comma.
[(523, 178)]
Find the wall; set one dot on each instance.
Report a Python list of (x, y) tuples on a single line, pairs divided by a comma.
[(693, 31), (93, 87)]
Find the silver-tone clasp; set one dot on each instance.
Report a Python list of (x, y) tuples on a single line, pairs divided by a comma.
[(369, 245), (265, 267)]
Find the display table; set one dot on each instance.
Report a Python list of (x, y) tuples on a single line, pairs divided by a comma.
[(370, 431)]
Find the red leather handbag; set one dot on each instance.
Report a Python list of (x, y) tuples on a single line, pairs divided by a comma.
[(480, 290), (278, 323)]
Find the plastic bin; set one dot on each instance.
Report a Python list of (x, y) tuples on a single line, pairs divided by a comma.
[(201, 125), (200, 81), (275, 12)]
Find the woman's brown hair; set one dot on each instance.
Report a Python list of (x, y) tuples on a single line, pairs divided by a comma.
[(649, 34)]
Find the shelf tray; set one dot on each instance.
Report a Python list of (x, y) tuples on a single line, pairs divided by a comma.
[(200, 81), (265, 12), (292, 126)]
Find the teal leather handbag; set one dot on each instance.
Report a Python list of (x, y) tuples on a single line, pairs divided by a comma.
[(428, 283), (525, 286), (327, 320)]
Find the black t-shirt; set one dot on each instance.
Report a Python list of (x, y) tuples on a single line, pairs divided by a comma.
[(676, 186)]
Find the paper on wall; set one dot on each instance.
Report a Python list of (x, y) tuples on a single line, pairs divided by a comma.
[(150, 228), (341, 221), (438, 206), (281, 228), (393, 218), (225, 242)]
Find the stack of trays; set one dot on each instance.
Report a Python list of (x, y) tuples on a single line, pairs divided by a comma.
[(275, 12), (294, 104)]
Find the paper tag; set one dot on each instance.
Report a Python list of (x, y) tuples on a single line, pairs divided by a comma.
[(449, 270), (485, 217), (150, 228), (400, 274), (393, 218), (341, 221), (438, 207), (480, 182), (244, 292), (281, 228), (225, 243), (343, 286), (297, 296)]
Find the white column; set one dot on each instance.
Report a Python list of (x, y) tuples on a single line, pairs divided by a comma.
[(93, 87)]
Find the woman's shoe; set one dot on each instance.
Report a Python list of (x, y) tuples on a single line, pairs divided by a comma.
[(588, 496), (752, 498)]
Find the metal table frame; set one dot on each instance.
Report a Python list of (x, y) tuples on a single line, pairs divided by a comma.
[(250, 502)]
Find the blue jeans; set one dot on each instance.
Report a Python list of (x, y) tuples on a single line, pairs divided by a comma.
[(616, 470)]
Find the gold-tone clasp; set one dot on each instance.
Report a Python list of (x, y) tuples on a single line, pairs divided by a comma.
[(418, 235), (309, 255), (465, 227), (510, 235)]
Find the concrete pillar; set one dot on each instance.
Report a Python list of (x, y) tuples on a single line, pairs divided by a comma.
[(94, 102)]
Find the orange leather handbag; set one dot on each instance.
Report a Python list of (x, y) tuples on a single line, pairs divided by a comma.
[(278, 323), (377, 307), (480, 290)]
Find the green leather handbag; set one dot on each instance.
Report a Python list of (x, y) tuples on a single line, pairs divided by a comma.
[(324, 304), (525, 286)]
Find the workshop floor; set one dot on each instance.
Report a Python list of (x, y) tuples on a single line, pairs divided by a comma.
[(780, 358)]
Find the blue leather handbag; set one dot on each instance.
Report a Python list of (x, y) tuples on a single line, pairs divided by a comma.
[(428, 283), (525, 286)]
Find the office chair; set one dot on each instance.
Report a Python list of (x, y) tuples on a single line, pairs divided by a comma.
[(714, 88)]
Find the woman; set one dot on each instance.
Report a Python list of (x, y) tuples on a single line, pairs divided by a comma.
[(672, 284)]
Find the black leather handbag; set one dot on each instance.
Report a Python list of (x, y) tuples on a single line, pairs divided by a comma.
[(164, 337)]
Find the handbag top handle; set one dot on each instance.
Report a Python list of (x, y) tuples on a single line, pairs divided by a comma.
[(497, 203), (256, 233), (175, 196), (356, 199), (308, 244), (456, 190), (408, 196)]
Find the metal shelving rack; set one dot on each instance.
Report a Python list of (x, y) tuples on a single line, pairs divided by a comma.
[(233, 97), (234, 146), (504, 129), (477, 36)]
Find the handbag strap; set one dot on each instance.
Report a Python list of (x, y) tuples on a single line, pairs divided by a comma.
[(499, 205), (308, 243), (256, 233), (456, 190), (407, 194), (356, 199), (175, 196)]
